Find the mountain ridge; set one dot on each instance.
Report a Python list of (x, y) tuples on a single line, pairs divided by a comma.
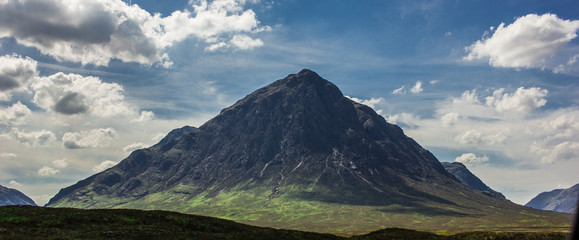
[(465, 176), (560, 200), (10, 196)]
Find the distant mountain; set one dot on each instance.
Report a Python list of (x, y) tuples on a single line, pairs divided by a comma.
[(9, 196), (295, 154), (560, 200), (468, 178)]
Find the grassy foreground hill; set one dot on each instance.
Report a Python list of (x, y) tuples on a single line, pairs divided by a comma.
[(28, 222), (289, 211)]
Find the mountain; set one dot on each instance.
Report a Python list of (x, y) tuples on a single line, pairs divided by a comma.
[(469, 179), (560, 200), (9, 196), (297, 154)]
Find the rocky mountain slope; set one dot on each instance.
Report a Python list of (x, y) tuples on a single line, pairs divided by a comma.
[(560, 200), (9, 196), (462, 173), (295, 154)]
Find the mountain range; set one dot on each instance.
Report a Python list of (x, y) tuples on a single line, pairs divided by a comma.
[(297, 154), (10, 196), (560, 200), (462, 173)]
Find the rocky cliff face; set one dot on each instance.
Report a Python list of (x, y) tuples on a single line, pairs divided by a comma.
[(9, 196), (469, 179), (560, 200)]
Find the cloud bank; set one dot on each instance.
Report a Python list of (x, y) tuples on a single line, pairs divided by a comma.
[(71, 94), (416, 89), (15, 73), (104, 165), (471, 159), (94, 32), (87, 139), (47, 171), (522, 100), (15, 115), (526, 43), (507, 122), (32, 138)]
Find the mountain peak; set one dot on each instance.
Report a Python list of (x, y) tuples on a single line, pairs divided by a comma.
[(465, 176), (296, 96), (560, 200), (10, 196), (307, 72), (308, 76), (307, 80)]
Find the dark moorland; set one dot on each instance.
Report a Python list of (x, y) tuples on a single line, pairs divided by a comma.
[(29, 222)]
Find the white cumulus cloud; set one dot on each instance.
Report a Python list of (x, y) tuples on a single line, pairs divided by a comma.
[(15, 183), (15, 73), (61, 163), (449, 119), (88, 139), (33, 138), (15, 115), (71, 94), (468, 97), (471, 159), (369, 102), (245, 42), (502, 103), (104, 165), (523, 100), (132, 147), (564, 68), (526, 43), (477, 137), (408, 119), (94, 32), (399, 91), (564, 125), (47, 171), (144, 116), (564, 151), (417, 88)]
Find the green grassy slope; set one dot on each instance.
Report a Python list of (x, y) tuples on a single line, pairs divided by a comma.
[(289, 211), (23, 222), (27, 222)]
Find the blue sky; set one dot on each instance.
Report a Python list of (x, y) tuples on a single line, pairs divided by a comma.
[(493, 84)]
